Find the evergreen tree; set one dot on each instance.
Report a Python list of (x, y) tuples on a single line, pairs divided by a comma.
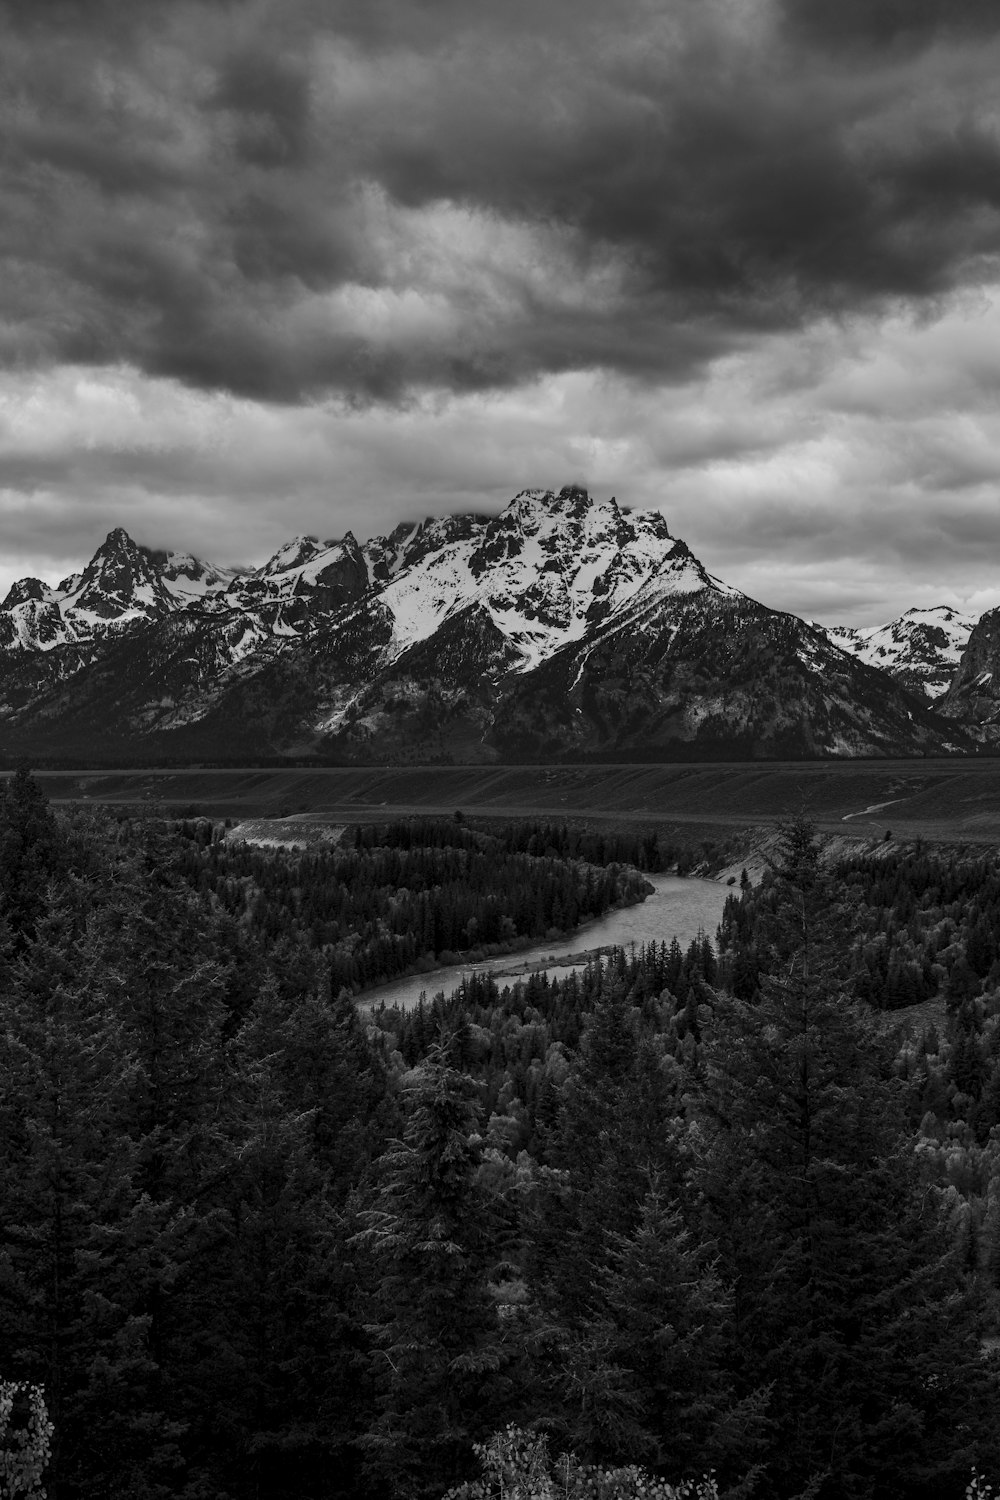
[(160, 974), (849, 1299), (80, 1245), (438, 1356), (308, 1104), (615, 1131), (645, 1377), (271, 1318), (33, 854)]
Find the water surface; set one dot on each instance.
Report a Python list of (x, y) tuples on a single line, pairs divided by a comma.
[(680, 906)]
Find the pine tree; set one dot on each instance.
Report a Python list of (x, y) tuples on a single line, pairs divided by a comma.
[(159, 972), (33, 853), (437, 1359), (80, 1245), (614, 1132), (849, 1298), (645, 1376), (305, 1108), (275, 1282)]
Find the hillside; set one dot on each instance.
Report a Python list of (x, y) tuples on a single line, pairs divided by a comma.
[(562, 628)]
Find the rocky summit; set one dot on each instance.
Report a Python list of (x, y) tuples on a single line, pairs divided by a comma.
[(564, 627), (921, 648)]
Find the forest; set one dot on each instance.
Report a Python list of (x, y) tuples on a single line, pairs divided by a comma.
[(408, 896), (727, 1216)]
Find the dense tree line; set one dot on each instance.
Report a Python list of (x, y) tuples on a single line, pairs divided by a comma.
[(732, 1242), (392, 900), (917, 928), (920, 938), (654, 850), (252, 1247), (918, 922)]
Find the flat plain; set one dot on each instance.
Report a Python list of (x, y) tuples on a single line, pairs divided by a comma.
[(956, 800)]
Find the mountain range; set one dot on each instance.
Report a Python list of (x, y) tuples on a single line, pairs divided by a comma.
[(561, 628)]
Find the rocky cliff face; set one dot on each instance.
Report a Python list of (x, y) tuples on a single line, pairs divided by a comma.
[(561, 627), (973, 697)]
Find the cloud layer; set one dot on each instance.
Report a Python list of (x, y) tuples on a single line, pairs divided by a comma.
[(291, 199), (838, 476), (279, 265)]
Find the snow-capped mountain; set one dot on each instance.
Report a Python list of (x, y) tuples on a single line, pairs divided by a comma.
[(921, 648), (561, 627), (188, 580), (122, 586), (544, 573)]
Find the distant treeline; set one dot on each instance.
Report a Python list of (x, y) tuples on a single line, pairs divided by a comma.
[(130, 762), (655, 850), (914, 926), (396, 897), (920, 924), (508, 1035)]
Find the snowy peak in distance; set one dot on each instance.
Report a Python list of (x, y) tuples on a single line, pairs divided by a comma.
[(306, 578), (118, 579), (297, 553), (124, 585), (124, 578), (190, 579), (921, 648), (28, 590), (561, 626), (551, 567), (545, 571)]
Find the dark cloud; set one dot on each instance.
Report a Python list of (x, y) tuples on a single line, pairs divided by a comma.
[(882, 23), (275, 236), (271, 96), (949, 173), (731, 182), (284, 200)]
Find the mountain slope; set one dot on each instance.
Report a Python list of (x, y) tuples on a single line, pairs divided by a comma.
[(713, 674), (122, 587), (973, 698), (560, 627), (921, 648)]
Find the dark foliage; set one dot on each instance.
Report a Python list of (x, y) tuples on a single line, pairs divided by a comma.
[(722, 1207), (411, 894)]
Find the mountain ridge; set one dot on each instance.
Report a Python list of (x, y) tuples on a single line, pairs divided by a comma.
[(562, 626), (921, 648)]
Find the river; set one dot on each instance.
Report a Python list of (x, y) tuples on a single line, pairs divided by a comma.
[(680, 906)]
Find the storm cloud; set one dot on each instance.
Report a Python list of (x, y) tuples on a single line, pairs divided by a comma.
[(296, 265), (291, 200)]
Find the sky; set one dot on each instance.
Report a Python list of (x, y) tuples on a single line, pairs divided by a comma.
[(274, 267)]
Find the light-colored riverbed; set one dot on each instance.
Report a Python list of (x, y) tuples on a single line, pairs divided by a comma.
[(679, 907)]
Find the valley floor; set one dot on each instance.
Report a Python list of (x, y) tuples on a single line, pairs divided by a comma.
[(943, 801)]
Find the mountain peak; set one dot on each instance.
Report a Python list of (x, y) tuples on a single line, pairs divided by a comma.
[(25, 589), (532, 504), (576, 509), (119, 540), (301, 549), (561, 625), (117, 551), (119, 580), (921, 648)]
